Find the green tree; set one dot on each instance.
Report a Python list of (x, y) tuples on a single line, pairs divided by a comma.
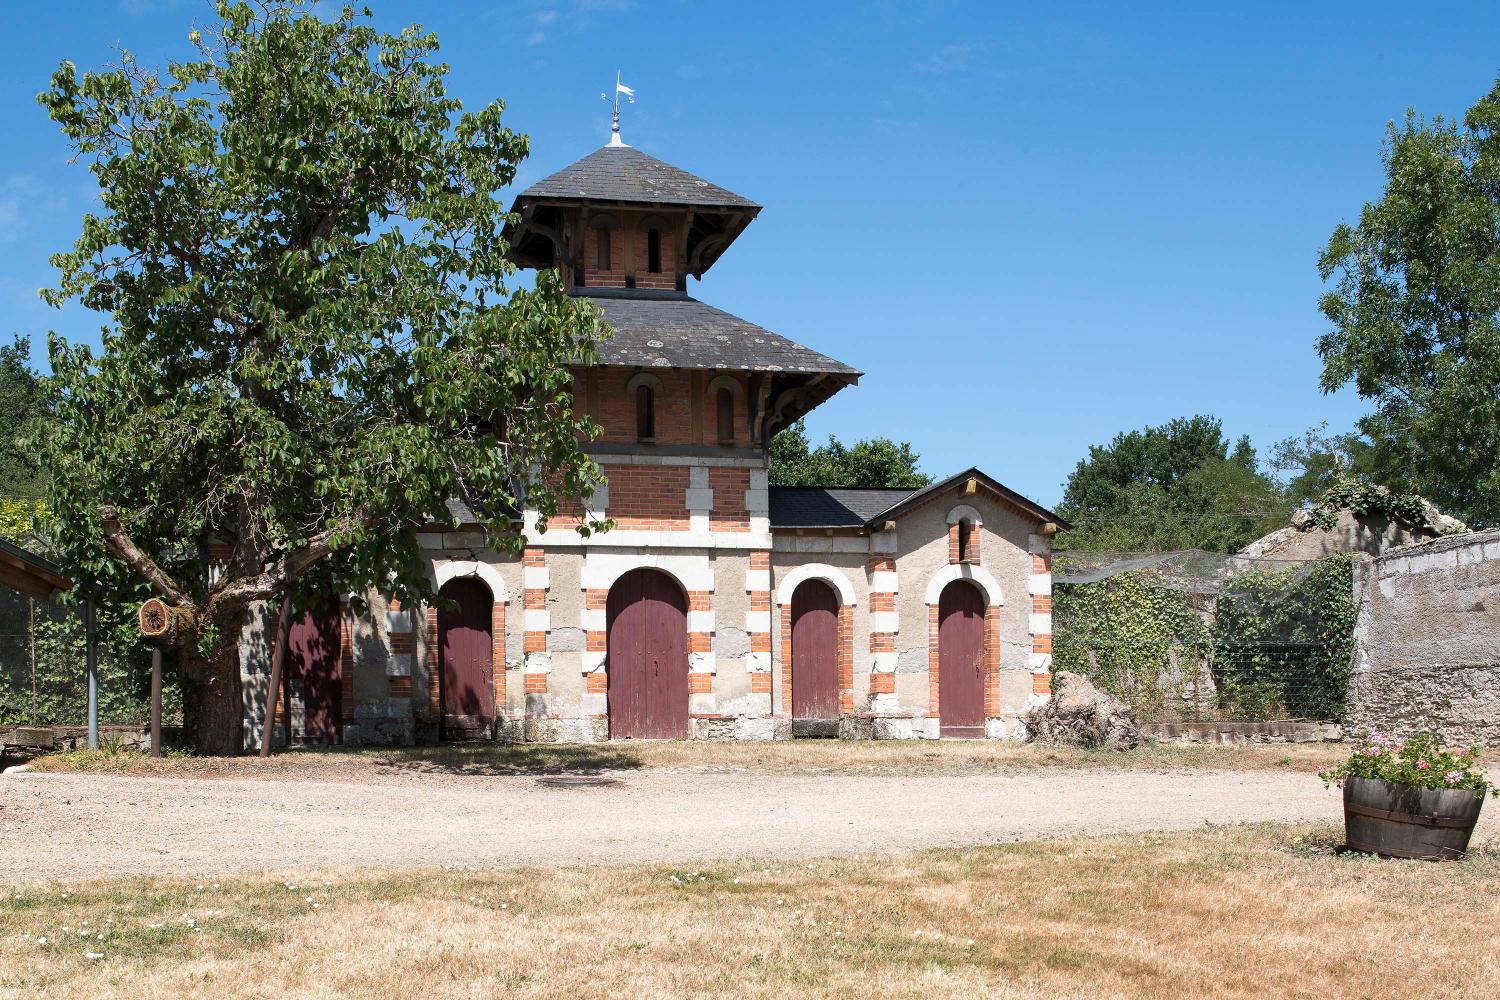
[(1413, 308), (23, 476), (870, 463), (312, 345), (1310, 465), (1181, 485)]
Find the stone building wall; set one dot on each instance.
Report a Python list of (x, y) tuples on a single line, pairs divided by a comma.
[(1427, 640)]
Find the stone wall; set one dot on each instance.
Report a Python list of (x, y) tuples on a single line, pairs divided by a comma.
[(1427, 641)]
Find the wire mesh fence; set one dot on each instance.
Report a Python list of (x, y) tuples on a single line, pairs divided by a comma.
[(44, 668), (1202, 637), (1207, 682)]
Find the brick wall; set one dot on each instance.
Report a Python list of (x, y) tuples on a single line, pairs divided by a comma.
[(649, 497), (729, 511), (686, 412)]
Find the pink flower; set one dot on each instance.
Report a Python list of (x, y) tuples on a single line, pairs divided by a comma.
[(1422, 765)]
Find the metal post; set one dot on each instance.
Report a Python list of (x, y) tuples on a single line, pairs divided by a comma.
[(156, 701), (91, 654)]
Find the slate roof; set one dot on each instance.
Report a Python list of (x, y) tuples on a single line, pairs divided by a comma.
[(672, 329), (827, 507), (622, 173)]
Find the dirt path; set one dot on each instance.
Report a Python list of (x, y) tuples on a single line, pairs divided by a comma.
[(78, 826)]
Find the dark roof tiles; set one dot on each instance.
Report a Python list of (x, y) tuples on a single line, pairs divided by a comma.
[(671, 329), (621, 173), (828, 507)]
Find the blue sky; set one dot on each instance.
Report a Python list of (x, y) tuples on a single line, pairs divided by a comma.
[(1031, 225)]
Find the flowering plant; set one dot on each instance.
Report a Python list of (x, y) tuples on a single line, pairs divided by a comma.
[(1421, 761)]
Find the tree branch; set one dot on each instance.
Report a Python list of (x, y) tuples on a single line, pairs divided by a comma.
[(125, 549), (276, 577)]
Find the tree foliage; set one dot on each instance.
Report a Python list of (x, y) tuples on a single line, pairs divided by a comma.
[(312, 343), (1181, 485), (1310, 465), (23, 400), (869, 463), (1413, 307)]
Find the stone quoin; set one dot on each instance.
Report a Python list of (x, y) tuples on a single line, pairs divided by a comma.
[(718, 606)]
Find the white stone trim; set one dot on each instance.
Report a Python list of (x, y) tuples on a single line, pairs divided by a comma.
[(697, 537), (536, 577), (699, 499), (1040, 624), (815, 571), (398, 665), (1039, 545), (757, 621), (758, 662), (537, 620), (884, 663), (698, 477), (1039, 663), (884, 581), (430, 539), (538, 663), (397, 621), (883, 541), (1040, 585), (757, 580), (822, 543), (700, 621), (443, 570), (701, 663), (963, 571), (592, 660), (962, 511), (758, 501), (692, 571), (593, 619), (885, 621)]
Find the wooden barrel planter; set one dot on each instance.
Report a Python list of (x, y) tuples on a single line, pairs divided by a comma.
[(1404, 821)]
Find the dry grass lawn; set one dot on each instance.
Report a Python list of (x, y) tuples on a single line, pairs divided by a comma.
[(1222, 913), (799, 756)]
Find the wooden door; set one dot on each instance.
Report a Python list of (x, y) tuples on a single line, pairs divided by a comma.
[(314, 688), (815, 659), (961, 660), (647, 666), (465, 652)]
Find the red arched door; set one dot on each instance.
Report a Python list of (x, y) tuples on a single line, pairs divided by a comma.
[(313, 681), (961, 660), (815, 659), (647, 666), (465, 653)]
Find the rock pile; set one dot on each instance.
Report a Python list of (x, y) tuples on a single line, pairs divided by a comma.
[(1080, 715)]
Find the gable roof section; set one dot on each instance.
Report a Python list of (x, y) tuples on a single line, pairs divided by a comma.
[(1005, 493), (625, 174), (30, 574), (826, 507), (672, 329)]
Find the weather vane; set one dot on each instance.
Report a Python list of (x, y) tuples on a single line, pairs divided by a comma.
[(620, 88)]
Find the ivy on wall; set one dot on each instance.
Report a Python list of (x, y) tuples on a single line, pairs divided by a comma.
[(1365, 499), (1271, 644)]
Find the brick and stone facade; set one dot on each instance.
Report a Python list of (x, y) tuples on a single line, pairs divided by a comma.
[(688, 398)]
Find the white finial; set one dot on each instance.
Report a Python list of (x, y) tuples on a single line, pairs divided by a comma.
[(620, 88)]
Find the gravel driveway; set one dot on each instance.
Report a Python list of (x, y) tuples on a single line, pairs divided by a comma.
[(79, 826)]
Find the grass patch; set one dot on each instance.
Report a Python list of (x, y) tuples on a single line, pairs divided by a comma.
[(788, 757), (1223, 913)]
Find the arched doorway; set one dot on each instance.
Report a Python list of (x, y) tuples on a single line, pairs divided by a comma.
[(961, 660), (647, 664), (312, 678), (466, 658), (815, 659)]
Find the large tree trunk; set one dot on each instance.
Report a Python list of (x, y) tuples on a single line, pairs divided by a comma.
[(213, 707)]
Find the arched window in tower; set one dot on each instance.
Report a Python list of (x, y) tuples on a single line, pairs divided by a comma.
[(653, 250), (965, 540), (601, 251), (724, 402), (645, 413)]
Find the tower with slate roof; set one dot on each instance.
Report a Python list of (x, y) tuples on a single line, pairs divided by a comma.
[(716, 606)]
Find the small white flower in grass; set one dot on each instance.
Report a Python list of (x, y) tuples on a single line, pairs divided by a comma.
[(970, 942), (101, 937), (109, 920), (93, 954), (41, 940), (504, 906), (780, 902), (307, 899), (153, 927), (83, 933), (317, 906), (916, 933)]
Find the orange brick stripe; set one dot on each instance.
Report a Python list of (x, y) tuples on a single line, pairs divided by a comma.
[(882, 683), (402, 643), (596, 682), (1041, 643), (729, 512), (434, 695), (534, 599), (700, 683), (700, 642), (846, 659), (992, 662), (1041, 604), (497, 655), (1041, 563), (700, 600), (882, 602), (346, 660), (536, 683), (760, 560), (760, 682), (1041, 683), (400, 687), (932, 660)]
